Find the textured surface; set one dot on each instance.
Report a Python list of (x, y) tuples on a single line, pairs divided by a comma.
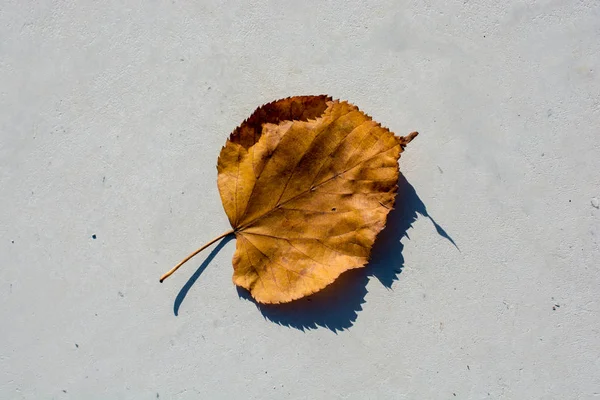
[(307, 183), (112, 115)]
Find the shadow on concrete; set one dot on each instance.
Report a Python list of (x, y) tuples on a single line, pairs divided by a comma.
[(336, 307), (188, 285)]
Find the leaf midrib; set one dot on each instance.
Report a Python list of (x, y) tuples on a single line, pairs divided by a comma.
[(311, 189)]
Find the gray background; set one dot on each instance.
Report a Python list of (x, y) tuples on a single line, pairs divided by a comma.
[(112, 116)]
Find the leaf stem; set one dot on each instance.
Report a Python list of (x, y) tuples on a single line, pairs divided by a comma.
[(175, 268)]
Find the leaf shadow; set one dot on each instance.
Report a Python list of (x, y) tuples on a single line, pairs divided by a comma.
[(188, 285), (336, 307)]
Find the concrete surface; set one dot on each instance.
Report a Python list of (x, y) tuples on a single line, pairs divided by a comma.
[(112, 115)]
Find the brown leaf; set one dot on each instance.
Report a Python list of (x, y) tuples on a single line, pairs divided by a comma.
[(307, 183)]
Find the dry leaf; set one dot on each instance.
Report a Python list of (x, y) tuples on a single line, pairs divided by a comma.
[(307, 183)]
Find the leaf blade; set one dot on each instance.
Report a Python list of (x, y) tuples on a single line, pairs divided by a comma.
[(310, 194)]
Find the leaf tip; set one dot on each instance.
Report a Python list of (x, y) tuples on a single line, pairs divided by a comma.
[(404, 140), (411, 136)]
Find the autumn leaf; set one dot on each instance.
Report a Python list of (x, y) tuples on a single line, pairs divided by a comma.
[(307, 183)]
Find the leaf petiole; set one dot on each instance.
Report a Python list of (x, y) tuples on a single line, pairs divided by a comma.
[(175, 268)]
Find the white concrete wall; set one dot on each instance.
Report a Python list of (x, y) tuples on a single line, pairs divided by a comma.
[(112, 114)]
